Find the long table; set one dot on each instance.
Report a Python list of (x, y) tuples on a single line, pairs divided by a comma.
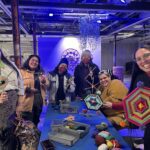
[(87, 142)]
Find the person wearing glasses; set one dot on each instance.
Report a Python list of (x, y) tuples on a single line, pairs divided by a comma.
[(141, 73), (112, 93)]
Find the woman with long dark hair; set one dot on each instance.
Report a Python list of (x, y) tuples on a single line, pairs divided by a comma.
[(30, 106), (141, 73)]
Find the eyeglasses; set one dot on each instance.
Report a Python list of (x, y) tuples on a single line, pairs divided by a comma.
[(107, 72), (144, 57), (104, 78)]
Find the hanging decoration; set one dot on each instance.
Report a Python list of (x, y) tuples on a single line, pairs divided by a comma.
[(73, 57), (89, 32)]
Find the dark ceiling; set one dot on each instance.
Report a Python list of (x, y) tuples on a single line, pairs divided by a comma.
[(124, 18)]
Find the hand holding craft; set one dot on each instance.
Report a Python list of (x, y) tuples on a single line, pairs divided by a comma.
[(42, 79), (107, 105)]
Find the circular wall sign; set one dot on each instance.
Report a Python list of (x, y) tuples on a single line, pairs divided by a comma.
[(73, 57)]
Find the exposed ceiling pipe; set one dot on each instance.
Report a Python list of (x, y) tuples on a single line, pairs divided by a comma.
[(136, 6), (7, 11), (147, 38), (3, 21), (130, 25), (33, 12), (115, 22)]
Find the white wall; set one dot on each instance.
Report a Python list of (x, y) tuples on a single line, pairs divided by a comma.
[(26, 44), (51, 49), (125, 52)]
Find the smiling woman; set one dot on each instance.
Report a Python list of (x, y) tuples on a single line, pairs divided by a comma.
[(142, 58), (112, 92), (33, 63), (141, 73), (30, 105), (61, 85)]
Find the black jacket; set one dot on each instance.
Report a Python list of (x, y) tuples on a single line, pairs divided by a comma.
[(82, 78)]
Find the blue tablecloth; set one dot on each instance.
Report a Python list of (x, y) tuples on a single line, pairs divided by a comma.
[(87, 142)]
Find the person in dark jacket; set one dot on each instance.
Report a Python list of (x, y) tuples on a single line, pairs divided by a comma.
[(86, 75)]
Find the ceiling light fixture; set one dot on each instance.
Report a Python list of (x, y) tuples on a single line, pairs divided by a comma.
[(99, 16), (123, 1), (51, 14), (99, 21), (138, 26)]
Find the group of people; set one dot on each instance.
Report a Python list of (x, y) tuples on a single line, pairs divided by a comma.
[(113, 94), (23, 91)]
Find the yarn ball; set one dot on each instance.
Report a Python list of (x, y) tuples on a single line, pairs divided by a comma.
[(102, 126), (116, 144), (104, 134), (109, 144), (99, 140), (103, 147), (70, 118), (110, 137), (122, 124), (67, 127), (84, 111)]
